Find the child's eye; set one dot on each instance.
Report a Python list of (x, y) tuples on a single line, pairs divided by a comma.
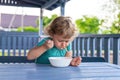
[(66, 41), (63, 41)]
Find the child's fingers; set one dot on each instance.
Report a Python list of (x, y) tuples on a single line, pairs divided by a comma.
[(68, 54), (49, 41), (76, 61), (73, 62), (49, 44)]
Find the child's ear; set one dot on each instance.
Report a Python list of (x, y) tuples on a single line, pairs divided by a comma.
[(52, 35), (51, 38)]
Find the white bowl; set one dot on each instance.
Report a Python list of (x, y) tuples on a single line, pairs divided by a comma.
[(60, 61)]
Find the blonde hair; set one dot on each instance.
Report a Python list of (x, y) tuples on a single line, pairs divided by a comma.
[(62, 26)]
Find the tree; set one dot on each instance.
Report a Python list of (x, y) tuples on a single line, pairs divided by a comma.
[(115, 28), (28, 29), (117, 2), (89, 25), (46, 20)]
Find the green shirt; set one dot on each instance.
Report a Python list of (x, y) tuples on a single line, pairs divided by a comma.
[(53, 52)]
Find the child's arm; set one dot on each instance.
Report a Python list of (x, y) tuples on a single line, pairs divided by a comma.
[(39, 50)]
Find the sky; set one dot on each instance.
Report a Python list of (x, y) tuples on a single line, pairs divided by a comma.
[(73, 8)]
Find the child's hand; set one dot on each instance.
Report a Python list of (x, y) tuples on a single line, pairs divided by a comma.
[(68, 54), (49, 44), (76, 61)]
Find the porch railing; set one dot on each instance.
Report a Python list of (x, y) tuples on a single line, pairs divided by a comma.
[(85, 45), (17, 43), (107, 46)]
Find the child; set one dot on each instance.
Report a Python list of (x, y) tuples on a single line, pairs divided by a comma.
[(61, 32)]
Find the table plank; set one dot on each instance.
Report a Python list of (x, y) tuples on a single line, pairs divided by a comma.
[(85, 71)]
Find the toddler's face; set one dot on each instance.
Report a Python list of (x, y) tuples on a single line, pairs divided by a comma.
[(60, 42)]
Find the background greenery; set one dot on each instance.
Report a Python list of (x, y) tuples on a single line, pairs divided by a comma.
[(86, 25)]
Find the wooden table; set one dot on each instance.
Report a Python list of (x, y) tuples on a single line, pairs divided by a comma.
[(86, 71)]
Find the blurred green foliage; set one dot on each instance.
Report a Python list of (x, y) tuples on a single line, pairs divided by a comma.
[(28, 29), (115, 27), (46, 21), (117, 2), (89, 25), (86, 25)]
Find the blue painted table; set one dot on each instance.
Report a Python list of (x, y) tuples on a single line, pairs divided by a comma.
[(86, 71)]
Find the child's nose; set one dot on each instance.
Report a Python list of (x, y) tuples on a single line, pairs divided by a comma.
[(64, 44)]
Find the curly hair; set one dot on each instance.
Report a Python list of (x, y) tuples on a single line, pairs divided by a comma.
[(62, 26)]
